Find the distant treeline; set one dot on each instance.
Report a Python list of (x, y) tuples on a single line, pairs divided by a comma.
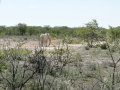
[(90, 30), (23, 29)]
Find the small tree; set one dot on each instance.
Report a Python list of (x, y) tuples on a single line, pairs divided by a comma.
[(22, 28), (89, 33), (113, 33)]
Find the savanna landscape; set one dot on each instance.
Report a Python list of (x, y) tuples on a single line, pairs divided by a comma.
[(81, 58)]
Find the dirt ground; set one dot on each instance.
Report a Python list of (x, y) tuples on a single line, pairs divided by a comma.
[(32, 44)]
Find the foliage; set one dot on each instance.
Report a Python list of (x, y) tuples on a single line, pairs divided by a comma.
[(103, 46), (22, 28), (114, 33), (16, 75), (89, 33)]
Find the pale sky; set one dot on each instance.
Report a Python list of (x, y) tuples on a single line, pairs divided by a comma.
[(71, 13)]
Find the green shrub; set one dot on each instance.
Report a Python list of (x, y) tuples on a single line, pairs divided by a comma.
[(103, 46), (60, 51), (87, 47), (19, 51)]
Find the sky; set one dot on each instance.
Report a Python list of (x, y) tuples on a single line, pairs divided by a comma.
[(71, 13)]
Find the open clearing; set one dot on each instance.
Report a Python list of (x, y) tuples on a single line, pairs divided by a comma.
[(32, 44)]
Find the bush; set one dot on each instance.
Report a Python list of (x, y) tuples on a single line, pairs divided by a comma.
[(87, 47), (103, 46)]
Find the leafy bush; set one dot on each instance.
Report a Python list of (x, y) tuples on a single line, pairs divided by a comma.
[(17, 73), (103, 46)]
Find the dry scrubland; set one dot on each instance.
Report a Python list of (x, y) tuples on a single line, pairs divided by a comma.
[(75, 67), (32, 43)]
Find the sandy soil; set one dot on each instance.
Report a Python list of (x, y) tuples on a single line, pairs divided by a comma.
[(32, 44)]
